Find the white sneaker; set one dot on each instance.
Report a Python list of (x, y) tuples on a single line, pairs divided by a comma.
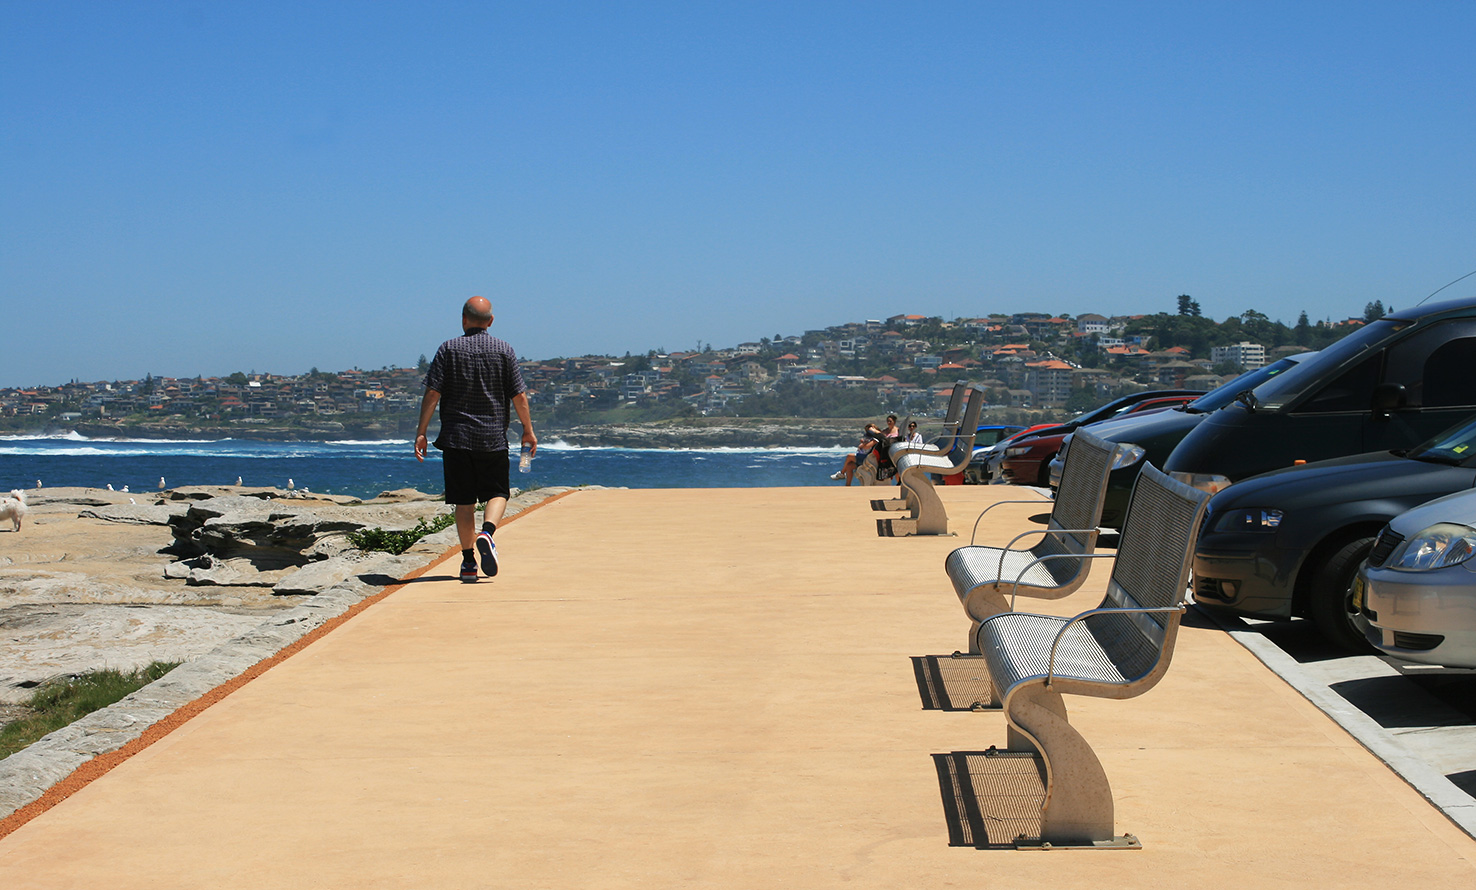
[(488, 551), (838, 476)]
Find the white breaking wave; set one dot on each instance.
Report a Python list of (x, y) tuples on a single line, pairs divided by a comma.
[(72, 436), (560, 445)]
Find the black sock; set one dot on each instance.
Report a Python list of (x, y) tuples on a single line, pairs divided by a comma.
[(489, 527), (466, 555)]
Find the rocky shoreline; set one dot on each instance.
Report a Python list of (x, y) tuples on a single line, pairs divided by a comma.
[(218, 578)]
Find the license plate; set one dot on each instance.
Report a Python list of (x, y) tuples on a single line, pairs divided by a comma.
[(1357, 599)]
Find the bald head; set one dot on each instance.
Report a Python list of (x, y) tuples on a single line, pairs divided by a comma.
[(477, 313)]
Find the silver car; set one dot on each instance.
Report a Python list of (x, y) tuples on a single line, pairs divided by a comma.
[(1418, 588)]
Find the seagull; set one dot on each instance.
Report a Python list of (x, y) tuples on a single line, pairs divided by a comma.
[(38, 483), (130, 500), (291, 485), (125, 491), (110, 486), (161, 483), (238, 481)]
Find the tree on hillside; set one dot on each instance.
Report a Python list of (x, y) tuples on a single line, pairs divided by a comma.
[(1194, 333), (1261, 329), (1302, 333), (1188, 306), (1373, 311)]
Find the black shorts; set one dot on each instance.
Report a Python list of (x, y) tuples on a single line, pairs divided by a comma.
[(475, 476)]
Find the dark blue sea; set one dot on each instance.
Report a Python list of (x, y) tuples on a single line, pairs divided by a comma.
[(364, 469)]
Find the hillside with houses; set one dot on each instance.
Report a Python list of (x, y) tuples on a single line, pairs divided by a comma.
[(1033, 364)]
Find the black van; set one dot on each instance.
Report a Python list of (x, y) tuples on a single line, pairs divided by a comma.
[(1393, 384)]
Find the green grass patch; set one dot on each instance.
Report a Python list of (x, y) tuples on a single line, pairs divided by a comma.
[(398, 542), (63, 702)]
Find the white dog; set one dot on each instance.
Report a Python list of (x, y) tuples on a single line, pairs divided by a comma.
[(13, 507)]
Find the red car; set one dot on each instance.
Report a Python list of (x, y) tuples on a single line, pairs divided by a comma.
[(1027, 461)]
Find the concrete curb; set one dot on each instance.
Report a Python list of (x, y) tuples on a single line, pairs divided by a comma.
[(1456, 804), (27, 775)]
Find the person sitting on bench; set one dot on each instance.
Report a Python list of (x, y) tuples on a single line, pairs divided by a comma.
[(870, 437)]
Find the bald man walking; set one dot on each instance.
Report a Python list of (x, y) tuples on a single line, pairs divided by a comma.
[(473, 379)]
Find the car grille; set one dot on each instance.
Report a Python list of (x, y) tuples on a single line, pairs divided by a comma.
[(1384, 545), (1419, 642)]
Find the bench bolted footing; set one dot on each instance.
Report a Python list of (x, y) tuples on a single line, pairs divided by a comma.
[(1121, 842), (904, 527)]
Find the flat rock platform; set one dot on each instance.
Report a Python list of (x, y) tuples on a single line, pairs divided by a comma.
[(712, 688)]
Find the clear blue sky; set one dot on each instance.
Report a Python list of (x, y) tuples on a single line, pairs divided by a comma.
[(204, 187)]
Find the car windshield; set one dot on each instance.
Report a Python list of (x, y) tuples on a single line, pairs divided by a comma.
[(1454, 446), (1284, 388), (1104, 412), (1225, 393)]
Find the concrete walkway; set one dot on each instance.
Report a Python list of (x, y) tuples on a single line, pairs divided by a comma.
[(701, 688)]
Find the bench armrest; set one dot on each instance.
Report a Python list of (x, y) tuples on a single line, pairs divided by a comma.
[(1051, 664), (902, 450), (952, 435), (1015, 587), (946, 431), (991, 507), (1034, 531)]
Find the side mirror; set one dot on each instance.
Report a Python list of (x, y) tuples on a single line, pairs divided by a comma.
[(1387, 398)]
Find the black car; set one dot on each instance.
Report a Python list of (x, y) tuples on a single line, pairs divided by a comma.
[(1391, 384), (1288, 543), (1150, 438)]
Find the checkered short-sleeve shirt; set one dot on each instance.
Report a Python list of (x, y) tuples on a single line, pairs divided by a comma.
[(477, 375)]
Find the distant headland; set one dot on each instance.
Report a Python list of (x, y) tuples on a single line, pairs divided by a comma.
[(785, 390)]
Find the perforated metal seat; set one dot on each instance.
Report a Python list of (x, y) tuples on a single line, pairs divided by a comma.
[(987, 579)]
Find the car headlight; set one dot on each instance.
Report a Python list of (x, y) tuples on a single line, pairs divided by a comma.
[(1127, 454), (1206, 482), (1255, 519), (1017, 451), (1441, 545)]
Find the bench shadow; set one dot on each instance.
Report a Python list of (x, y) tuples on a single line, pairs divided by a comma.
[(955, 682), (991, 799)]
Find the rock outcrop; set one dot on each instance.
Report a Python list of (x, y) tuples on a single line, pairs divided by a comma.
[(244, 540)]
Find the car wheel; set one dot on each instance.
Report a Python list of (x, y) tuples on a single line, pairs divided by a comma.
[(1332, 597)]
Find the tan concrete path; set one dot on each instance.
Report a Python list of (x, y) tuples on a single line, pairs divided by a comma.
[(710, 689)]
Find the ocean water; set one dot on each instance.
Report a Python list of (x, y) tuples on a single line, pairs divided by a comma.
[(364, 469)]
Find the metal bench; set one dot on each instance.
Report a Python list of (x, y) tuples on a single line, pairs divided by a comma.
[(1057, 564), (867, 473), (1120, 649), (926, 513), (948, 429)]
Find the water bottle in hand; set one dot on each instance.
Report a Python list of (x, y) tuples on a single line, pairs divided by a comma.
[(525, 463)]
